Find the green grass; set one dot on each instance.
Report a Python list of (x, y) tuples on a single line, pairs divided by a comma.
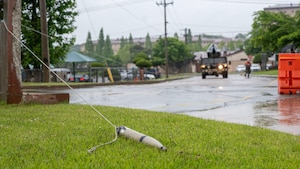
[(267, 72), (58, 136)]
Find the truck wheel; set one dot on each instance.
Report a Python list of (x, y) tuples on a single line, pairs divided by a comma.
[(203, 76), (225, 74)]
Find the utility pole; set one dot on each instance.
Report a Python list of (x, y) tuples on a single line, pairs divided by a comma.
[(11, 52), (166, 35), (45, 43), (186, 43)]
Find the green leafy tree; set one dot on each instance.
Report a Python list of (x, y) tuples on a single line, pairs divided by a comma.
[(89, 46), (250, 49), (178, 52), (293, 35), (271, 31), (257, 58), (137, 48), (100, 46), (142, 60), (60, 18), (124, 54), (240, 39), (231, 45)]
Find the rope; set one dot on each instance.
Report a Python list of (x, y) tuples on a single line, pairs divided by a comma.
[(77, 94)]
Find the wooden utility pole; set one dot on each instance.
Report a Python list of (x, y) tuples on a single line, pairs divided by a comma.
[(11, 52), (166, 35), (45, 43)]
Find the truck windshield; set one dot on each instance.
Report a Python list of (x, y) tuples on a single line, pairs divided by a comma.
[(213, 60)]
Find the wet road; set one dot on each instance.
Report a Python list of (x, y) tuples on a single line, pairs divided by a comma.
[(253, 101)]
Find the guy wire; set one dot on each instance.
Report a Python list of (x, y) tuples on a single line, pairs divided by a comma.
[(78, 95)]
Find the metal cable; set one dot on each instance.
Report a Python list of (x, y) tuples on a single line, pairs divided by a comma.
[(77, 94)]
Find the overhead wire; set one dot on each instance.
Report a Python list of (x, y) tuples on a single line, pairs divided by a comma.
[(77, 94), (52, 37), (132, 14)]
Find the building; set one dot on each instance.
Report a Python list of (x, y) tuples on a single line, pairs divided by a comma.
[(289, 9)]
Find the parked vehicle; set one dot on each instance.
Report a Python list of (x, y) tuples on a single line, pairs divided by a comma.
[(154, 71), (255, 67), (240, 68), (268, 66), (136, 75), (80, 78)]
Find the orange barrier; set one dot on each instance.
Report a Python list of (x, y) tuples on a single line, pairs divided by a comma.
[(289, 73)]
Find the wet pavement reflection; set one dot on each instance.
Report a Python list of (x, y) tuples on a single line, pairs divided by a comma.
[(253, 101), (286, 119)]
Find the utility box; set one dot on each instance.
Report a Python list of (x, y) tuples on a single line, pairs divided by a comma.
[(289, 73)]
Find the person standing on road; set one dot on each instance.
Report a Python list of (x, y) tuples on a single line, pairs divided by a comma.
[(248, 68)]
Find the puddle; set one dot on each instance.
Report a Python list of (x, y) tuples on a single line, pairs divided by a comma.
[(282, 115)]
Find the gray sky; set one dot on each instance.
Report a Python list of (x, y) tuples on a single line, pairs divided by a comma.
[(121, 17)]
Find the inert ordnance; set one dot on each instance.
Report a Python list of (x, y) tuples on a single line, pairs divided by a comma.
[(214, 64)]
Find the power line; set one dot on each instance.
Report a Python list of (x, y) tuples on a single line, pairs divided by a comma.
[(132, 14)]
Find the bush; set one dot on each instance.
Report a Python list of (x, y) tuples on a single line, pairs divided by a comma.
[(97, 64), (143, 63)]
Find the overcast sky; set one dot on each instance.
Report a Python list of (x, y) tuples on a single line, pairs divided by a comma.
[(121, 17)]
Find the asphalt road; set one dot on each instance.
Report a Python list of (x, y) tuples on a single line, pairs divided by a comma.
[(253, 101)]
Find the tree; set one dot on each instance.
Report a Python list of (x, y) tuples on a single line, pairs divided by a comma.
[(270, 30), (294, 32), (108, 51), (148, 44), (130, 43), (177, 50), (189, 37), (89, 46), (176, 35), (60, 17), (199, 43), (240, 39), (123, 42), (124, 54), (137, 48), (100, 46), (130, 40), (142, 60), (231, 45)]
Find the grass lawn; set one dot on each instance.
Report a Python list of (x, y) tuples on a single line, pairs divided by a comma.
[(58, 136), (266, 72)]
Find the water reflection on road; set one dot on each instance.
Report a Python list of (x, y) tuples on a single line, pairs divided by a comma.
[(283, 114), (253, 101)]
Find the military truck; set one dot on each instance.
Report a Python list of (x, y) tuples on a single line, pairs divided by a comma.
[(214, 64)]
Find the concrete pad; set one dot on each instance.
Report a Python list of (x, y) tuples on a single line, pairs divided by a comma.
[(46, 98)]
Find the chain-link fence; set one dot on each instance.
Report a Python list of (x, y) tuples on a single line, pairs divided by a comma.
[(92, 74)]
